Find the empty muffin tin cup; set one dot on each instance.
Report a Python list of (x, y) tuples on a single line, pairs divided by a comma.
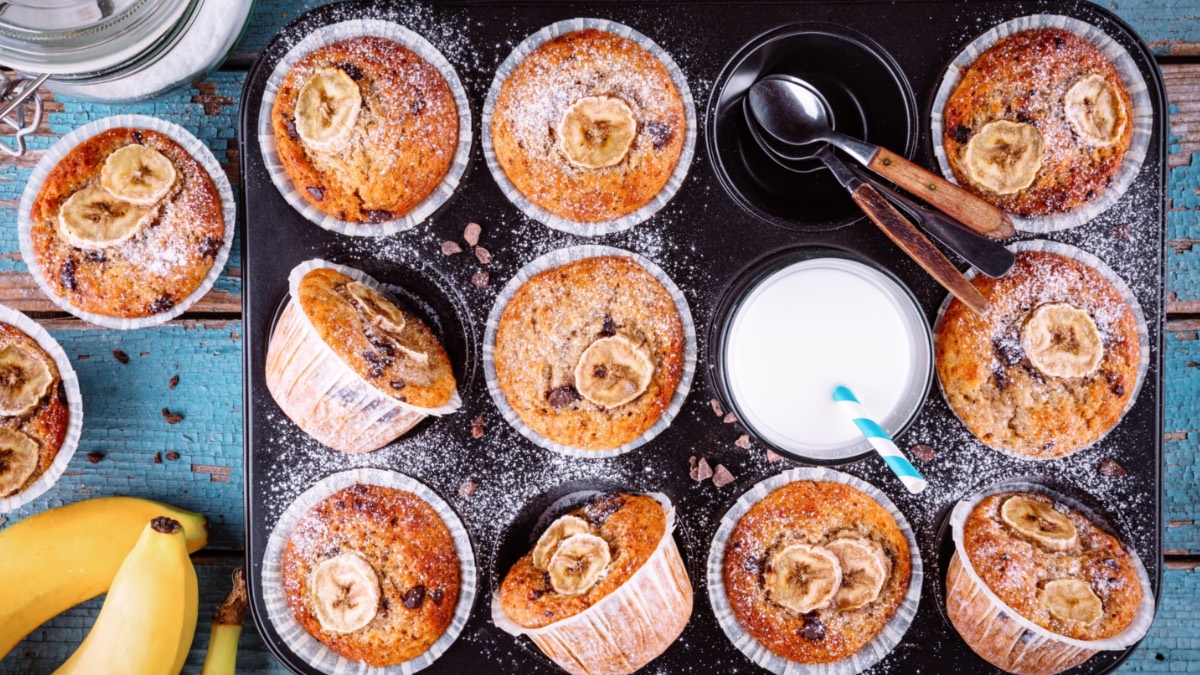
[(1142, 115), (998, 633), (803, 321), (70, 393), (279, 612), (331, 34), (321, 393), (879, 647), (625, 629)]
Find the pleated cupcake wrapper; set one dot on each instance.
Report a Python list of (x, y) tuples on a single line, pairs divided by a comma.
[(1141, 117), (559, 258), (627, 628), (590, 229), (875, 650), (1143, 331), (313, 651), (321, 393), (1026, 646), (194, 147), (345, 30), (66, 373)]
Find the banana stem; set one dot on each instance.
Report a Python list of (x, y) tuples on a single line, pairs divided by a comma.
[(221, 658)]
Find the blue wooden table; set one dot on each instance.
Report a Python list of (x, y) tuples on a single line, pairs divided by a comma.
[(201, 467)]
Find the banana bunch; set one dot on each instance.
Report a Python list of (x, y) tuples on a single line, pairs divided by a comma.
[(56, 559), (571, 555), (613, 371), (596, 132), (1062, 341), (133, 181), (843, 574)]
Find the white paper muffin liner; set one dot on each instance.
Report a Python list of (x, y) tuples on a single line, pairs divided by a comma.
[(559, 258), (313, 651), (1022, 645), (70, 381), (588, 229), (345, 30), (1143, 331), (627, 628), (875, 650), (198, 151), (1142, 115), (323, 395)]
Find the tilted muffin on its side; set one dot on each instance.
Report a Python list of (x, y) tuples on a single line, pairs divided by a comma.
[(1039, 123), (815, 570), (1051, 368), (366, 129), (372, 572), (33, 410), (589, 126), (127, 225), (589, 354)]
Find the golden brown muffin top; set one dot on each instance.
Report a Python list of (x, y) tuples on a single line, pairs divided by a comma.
[(1020, 569), (809, 513), (405, 134), (533, 99), (632, 525), (555, 317), (412, 554), (409, 365), (156, 269), (994, 387), (47, 421), (1024, 78)]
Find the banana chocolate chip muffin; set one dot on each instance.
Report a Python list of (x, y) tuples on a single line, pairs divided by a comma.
[(1039, 123), (615, 547), (366, 129), (589, 126), (372, 572), (33, 410), (1051, 368), (815, 570), (1051, 565), (589, 354), (127, 225)]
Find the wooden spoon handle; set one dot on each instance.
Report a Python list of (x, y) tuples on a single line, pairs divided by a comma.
[(918, 247), (941, 193)]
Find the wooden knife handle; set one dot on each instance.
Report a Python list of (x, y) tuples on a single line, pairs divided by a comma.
[(918, 247), (944, 195)]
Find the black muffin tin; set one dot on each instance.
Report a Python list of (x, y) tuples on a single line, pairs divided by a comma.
[(882, 63)]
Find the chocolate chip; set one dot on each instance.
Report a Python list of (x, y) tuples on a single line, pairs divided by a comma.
[(172, 456), (1110, 468), (1118, 389), (814, 628), (171, 418), (95, 457), (481, 279), (600, 372), (960, 133), (352, 70), (536, 594), (317, 193), (729, 418), (376, 363), (483, 255), (158, 458), (600, 508), (96, 256), (416, 106), (743, 441), (120, 356), (1110, 563), (67, 274), (563, 396), (609, 329), (773, 456), (1001, 377), (1122, 230), (701, 471), (471, 234), (660, 134), (1009, 352), (137, 137), (752, 565), (477, 427), (716, 407), (722, 477), (1091, 194), (398, 384), (467, 489), (291, 130), (1059, 42), (450, 248), (923, 452), (437, 596), (384, 346), (414, 597), (378, 216), (211, 246), (164, 303)]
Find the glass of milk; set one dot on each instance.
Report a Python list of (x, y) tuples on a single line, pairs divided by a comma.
[(807, 322)]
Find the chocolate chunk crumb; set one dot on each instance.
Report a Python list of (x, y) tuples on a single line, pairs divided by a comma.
[(471, 234), (450, 247), (171, 418), (291, 130), (1118, 389), (813, 630), (96, 256), (414, 597), (164, 303), (138, 137), (352, 70), (1110, 468), (701, 471), (398, 384), (722, 477), (536, 594), (67, 274), (660, 134), (743, 441), (729, 418), (467, 489), (378, 216), (481, 279), (716, 407), (960, 134), (609, 328), (172, 456), (483, 255), (923, 452), (437, 596), (600, 508), (1009, 352), (773, 456), (317, 193), (211, 246), (477, 427), (563, 396), (158, 458), (173, 383), (95, 457), (120, 356)]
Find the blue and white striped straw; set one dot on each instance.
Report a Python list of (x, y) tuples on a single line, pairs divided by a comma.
[(880, 440)]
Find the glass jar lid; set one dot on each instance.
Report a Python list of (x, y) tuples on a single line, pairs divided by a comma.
[(78, 37)]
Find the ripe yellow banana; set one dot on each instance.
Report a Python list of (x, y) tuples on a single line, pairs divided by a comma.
[(148, 619), (59, 558)]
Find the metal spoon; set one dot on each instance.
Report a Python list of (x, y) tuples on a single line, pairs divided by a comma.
[(789, 110)]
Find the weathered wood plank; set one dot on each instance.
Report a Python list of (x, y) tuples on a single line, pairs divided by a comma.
[(1181, 479)]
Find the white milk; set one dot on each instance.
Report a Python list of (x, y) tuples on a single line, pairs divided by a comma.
[(815, 325)]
